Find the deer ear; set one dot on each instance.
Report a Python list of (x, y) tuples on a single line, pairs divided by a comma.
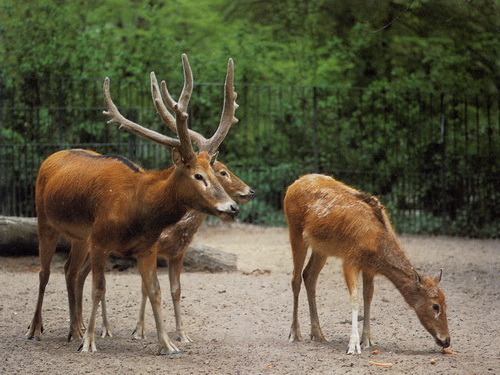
[(177, 158), (417, 277), (214, 157), (437, 278)]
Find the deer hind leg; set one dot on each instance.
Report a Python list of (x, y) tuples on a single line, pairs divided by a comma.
[(174, 274), (105, 331), (47, 246), (311, 272), (351, 275), (299, 252), (366, 337), (82, 276), (78, 254), (140, 329), (147, 269), (98, 263)]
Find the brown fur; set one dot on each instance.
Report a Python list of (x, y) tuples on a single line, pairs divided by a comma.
[(103, 205), (172, 245), (337, 220)]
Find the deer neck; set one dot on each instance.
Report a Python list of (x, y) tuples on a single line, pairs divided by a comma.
[(160, 200), (395, 265)]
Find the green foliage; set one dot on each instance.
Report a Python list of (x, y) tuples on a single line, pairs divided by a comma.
[(270, 185), (366, 84)]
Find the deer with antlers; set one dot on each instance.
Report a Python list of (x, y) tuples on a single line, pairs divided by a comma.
[(105, 205), (337, 220), (175, 239)]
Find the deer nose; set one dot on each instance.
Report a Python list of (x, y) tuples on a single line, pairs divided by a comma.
[(235, 210), (228, 212), (446, 342)]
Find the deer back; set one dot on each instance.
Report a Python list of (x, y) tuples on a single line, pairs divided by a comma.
[(332, 216)]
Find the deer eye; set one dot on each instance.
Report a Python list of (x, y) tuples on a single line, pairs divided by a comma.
[(198, 176), (435, 307), (223, 173)]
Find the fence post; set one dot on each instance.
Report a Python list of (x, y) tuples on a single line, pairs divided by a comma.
[(315, 130), (132, 138), (442, 120)]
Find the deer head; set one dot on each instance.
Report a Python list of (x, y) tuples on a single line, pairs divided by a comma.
[(195, 168), (430, 305)]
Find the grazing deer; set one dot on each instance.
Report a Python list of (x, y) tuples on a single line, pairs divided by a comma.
[(337, 220), (107, 206), (175, 239)]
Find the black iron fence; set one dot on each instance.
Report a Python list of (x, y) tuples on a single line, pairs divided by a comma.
[(431, 157)]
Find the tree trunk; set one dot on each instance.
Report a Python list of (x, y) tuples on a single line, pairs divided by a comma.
[(19, 237)]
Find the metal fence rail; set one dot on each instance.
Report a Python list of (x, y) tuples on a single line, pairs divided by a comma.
[(432, 158)]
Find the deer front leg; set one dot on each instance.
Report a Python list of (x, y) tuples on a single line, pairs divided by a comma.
[(351, 275), (140, 330), (147, 269), (174, 274), (366, 337)]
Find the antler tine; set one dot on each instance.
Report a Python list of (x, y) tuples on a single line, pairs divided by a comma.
[(162, 110), (118, 118), (180, 110), (164, 113), (227, 117)]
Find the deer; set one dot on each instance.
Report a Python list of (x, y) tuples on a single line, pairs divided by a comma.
[(105, 205), (334, 219), (175, 239)]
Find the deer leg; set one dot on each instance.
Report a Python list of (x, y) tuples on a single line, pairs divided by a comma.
[(47, 246), (351, 274), (82, 276), (106, 331), (147, 269), (78, 254), (140, 330), (98, 263), (299, 252), (366, 337), (174, 274), (311, 273)]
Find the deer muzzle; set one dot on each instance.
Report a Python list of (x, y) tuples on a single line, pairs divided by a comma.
[(442, 342), (228, 212)]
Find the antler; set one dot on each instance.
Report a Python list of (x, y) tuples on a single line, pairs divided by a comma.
[(164, 113), (180, 110), (178, 124), (227, 118), (118, 118)]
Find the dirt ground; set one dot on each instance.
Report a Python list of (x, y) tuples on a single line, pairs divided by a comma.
[(239, 322)]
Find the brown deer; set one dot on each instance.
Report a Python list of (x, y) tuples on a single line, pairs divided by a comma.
[(175, 239), (106, 206), (337, 220)]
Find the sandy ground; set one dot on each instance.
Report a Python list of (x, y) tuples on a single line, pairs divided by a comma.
[(239, 322)]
